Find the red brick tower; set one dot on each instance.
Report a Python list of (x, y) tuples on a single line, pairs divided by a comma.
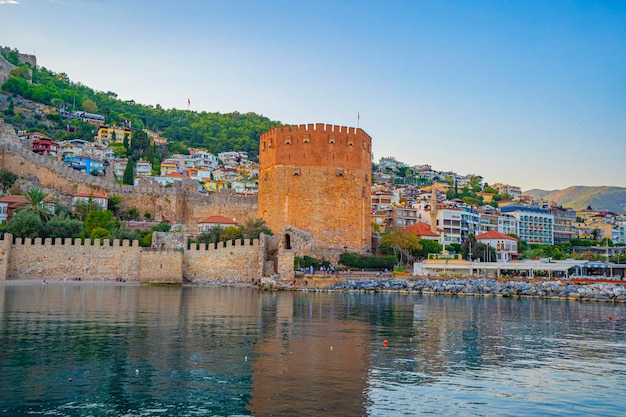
[(316, 178)]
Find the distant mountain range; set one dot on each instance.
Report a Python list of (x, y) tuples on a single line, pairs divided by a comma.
[(580, 197)]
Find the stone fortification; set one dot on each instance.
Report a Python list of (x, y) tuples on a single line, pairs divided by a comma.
[(31, 59), (180, 203), (316, 178), (239, 261)]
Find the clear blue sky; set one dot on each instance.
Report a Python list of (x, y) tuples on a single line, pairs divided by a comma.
[(530, 93)]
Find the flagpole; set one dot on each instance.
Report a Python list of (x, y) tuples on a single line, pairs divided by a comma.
[(358, 119)]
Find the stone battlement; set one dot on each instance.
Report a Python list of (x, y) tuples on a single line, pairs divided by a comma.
[(316, 128), (223, 245), (316, 178), (115, 260)]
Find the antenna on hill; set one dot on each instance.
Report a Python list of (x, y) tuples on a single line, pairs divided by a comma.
[(358, 119), (188, 103)]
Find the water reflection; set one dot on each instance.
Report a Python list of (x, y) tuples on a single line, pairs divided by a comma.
[(228, 351), (313, 359)]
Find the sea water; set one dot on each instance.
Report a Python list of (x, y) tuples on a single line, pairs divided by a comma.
[(88, 350)]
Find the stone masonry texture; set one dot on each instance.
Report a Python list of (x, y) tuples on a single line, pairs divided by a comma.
[(316, 178)]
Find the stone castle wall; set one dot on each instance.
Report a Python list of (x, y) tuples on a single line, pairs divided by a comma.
[(180, 203), (238, 261), (31, 59), (316, 178), (107, 261)]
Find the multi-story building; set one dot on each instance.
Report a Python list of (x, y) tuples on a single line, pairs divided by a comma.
[(564, 225), (534, 225), (113, 133), (76, 147), (169, 166), (85, 164), (227, 173), (143, 168), (71, 147), (245, 187), (233, 158), (184, 164), (381, 200), (389, 164), (43, 145), (404, 216), (198, 174), (203, 159), (619, 232), (470, 221), (513, 191), (119, 166), (488, 222), (215, 185), (507, 224)]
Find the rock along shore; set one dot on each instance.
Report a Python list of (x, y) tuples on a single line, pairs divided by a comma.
[(489, 287)]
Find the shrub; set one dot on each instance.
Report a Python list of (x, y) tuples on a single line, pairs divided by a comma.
[(370, 262)]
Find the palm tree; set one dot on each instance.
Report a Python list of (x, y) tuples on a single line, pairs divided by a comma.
[(36, 204)]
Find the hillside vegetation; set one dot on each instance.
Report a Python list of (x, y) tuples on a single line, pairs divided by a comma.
[(215, 132), (580, 197)]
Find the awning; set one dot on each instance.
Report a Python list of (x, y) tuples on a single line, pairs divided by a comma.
[(597, 266)]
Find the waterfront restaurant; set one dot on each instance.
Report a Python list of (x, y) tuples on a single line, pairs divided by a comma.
[(453, 266)]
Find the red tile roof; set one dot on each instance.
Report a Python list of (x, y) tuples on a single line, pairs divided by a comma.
[(175, 175), (14, 199), (420, 229), (494, 235), (218, 219)]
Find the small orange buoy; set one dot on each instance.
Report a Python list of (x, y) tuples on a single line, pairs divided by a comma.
[(385, 343), (610, 317)]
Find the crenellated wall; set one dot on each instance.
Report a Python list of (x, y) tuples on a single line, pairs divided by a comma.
[(93, 261), (236, 261), (316, 145)]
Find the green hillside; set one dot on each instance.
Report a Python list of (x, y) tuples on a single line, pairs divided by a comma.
[(580, 197), (216, 132)]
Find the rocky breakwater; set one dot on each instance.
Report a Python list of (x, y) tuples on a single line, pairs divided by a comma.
[(490, 287)]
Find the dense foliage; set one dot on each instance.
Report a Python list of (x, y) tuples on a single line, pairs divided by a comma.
[(367, 262), (213, 131)]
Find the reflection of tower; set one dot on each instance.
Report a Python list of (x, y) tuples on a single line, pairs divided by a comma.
[(314, 359), (316, 178)]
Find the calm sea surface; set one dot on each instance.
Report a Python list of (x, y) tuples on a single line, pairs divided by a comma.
[(158, 351)]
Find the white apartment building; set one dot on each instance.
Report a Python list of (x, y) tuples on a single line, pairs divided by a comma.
[(233, 158), (534, 225), (205, 160), (143, 168)]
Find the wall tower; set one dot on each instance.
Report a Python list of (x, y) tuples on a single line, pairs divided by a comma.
[(317, 178)]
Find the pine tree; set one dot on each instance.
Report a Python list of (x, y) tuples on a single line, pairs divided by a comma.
[(128, 177)]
